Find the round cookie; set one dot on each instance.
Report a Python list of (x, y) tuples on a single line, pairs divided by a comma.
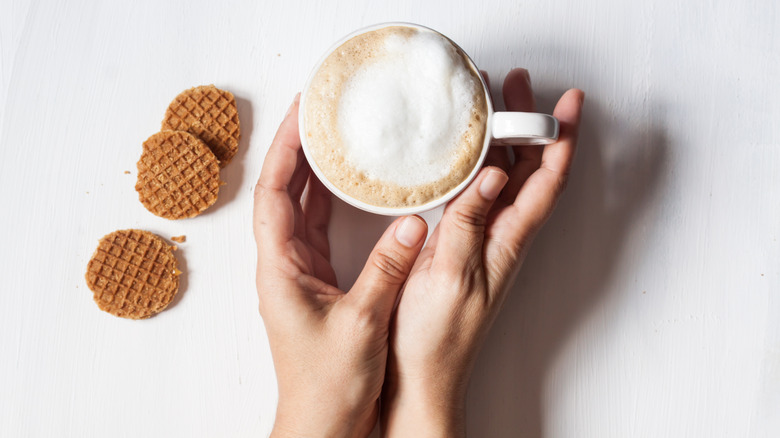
[(133, 274), (210, 114), (178, 176)]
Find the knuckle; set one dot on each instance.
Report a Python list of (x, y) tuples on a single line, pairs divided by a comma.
[(561, 182), (469, 219), (263, 189), (507, 253), (454, 278), (448, 278), (556, 179), (526, 227), (260, 197), (361, 318), (392, 264), (320, 227), (366, 317), (260, 189)]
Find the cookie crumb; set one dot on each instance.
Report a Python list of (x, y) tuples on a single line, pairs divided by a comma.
[(179, 239), (127, 172)]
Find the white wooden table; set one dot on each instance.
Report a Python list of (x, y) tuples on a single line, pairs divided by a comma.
[(648, 307)]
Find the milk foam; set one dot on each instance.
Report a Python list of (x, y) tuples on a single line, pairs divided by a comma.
[(395, 117), (401, 117)]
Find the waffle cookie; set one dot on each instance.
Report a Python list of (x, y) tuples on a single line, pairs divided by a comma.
[(178, 176), (133, 274), (211, 115)]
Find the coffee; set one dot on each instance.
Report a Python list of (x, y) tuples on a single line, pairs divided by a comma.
[(396, 117)]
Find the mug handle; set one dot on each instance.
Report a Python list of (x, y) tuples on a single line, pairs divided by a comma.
[(513, 128)]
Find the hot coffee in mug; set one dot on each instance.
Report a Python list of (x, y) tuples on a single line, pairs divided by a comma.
[(396, 119)]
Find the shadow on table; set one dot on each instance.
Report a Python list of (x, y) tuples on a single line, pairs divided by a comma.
[(567, 271), (351, 245)]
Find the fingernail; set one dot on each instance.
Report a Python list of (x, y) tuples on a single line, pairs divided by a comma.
[(492, 184), (292, 105), (411, 231), (526, 75)]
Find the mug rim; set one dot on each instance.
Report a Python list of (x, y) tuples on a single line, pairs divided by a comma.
[(393, 211)]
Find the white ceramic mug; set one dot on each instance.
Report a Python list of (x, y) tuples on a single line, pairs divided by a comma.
[(503, 129)]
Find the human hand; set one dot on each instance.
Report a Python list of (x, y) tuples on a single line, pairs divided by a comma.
[(329, 347), (460, 279)]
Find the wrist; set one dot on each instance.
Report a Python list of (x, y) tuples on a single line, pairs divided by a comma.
[(301, 421), (424, 409)]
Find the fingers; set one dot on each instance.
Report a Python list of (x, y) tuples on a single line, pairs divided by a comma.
[(281, 161), (316, 209), (300, 177), (558, 156), (496, 156), (388, 266), (283, 168), (513, 228), (462, 226), (518, 96), (538, 196)]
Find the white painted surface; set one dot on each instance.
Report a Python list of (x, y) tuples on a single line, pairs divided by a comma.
[(649, 306)]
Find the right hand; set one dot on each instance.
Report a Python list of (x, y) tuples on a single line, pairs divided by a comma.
[(460, 279)]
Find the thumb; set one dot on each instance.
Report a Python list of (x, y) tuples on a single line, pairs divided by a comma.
[(462, 226), (389, 265)]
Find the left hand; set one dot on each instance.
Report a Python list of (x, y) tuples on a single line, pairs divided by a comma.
[(329, 347)]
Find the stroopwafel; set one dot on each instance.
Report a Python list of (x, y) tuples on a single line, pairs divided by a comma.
[(178, 176), (210, 114), (133, 274)]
